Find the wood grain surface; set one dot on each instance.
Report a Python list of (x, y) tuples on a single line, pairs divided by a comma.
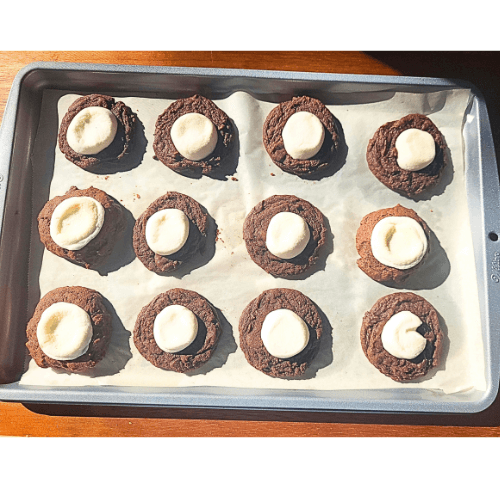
[(17, 419)]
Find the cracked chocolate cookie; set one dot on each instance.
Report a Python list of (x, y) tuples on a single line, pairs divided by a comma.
[(81, 226), (392, 244), (170, 232), (193, 134), (280, 332), (284, 234), (407, 155), (70, 329), (96, 129), (301, 137), (401, 336), (178, 330)]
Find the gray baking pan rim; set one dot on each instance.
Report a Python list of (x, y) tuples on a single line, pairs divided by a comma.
[(481, 184)]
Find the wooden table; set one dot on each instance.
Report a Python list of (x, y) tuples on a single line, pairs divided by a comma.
[(16, 419)]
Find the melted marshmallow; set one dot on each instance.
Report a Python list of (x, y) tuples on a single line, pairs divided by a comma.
[(167, 231), (194, 136), (400, 337), (175, 328), (416, 149), (284, 333), (92, 130), (64, 331), (287, 235), (303, 135), (76, 221), (398, 242)]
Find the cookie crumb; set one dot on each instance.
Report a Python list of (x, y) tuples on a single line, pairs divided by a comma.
[(234, 179)]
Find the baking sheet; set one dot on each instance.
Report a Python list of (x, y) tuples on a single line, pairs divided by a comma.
[(229, 279)]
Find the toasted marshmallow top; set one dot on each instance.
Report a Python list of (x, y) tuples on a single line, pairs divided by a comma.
[(92, 130), (303, 135), (175, 328), (287, 235), (398, 242), (64, 331), (400, 337), (76, 221), (416, 149), (167, 231), (284, 333), (194, 136)]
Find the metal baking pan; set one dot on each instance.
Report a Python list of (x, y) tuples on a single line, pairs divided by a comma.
[(17, 135)]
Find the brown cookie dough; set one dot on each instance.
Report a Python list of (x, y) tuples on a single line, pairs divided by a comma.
[(250, 326), (96, 251), (368, 263), (122, 142), (193, 356), (165, 149), (402, 370), (382, 156), (273, 140), (255, 229), (198, 223), (92, 303)]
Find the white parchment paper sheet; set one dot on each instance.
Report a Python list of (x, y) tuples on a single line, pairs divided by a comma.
[(230, 280)]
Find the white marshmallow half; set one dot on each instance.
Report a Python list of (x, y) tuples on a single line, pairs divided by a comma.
[(194, 136), (287, 235), (416, 149), (398, 242), (175, 328), (167, 231), (400, 337), (303, 135), (284, 333), (64, 331), (92, 130), (76, 221)]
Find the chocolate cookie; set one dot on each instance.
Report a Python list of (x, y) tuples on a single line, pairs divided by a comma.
[(368, 263), (193, 356), (255, 231), (165, 149), (122, 142), (382, 156), (398, 369), (198, 223), (94, 253), (92, 303), (275, 147), (250, 327)]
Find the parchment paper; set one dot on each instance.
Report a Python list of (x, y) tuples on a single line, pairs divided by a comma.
[(229, 279)]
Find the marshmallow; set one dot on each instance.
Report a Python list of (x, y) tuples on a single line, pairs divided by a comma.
[(64, 331), (76, 221), (416, 149), (400, 337), (287, 235), (92, 130), (167, 231), (194, 136), (175, 328), (284, 333), (398, 242), (303, 135)]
